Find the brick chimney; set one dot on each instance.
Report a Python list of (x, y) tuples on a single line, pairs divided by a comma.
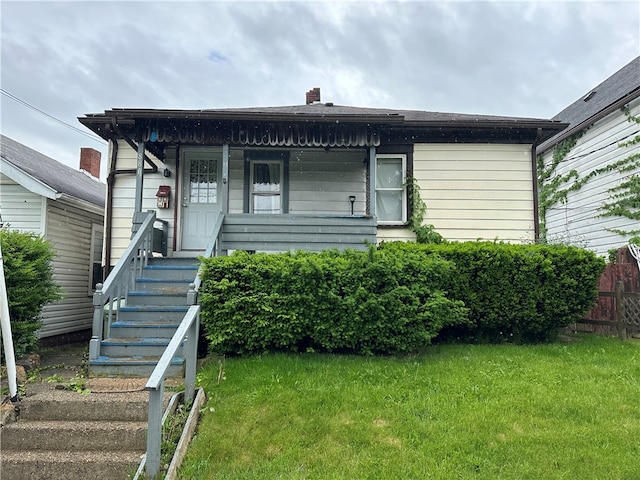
[(90, 161), (313, 95)]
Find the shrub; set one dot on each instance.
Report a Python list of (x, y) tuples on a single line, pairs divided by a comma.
[(516, 293), (375, 302), (28, 274)]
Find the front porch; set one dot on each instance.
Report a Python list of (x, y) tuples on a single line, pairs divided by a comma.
[(278, 233)]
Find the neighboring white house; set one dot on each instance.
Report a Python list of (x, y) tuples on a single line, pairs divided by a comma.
[(598, 152), (65, 206), (317, 175)]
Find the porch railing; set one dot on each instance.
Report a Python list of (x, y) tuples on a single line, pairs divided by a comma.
[(285, 232), (112, 294), (213, 250)]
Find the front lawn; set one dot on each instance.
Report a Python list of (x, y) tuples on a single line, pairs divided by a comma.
[(558, 411)]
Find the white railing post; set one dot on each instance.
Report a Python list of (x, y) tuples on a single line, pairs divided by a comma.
[(98, 322), (191, 355), (154, 431)]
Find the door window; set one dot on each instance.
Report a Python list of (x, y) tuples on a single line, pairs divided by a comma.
[(203, 180)]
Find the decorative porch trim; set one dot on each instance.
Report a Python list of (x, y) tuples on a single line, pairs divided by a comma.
[(263, 134)]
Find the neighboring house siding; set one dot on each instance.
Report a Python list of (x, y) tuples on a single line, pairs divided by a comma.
[(21, 209), (69, 230), (477, 191), (577, 220)]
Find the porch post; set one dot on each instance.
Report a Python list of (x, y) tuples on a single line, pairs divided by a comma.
[(137, 217), (224, 191), (372, 181)]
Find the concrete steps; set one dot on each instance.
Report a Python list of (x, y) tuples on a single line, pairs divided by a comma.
[(47, 465), (154, 310), (67, 435)]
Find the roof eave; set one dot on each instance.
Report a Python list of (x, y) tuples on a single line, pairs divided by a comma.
[(552, 142)]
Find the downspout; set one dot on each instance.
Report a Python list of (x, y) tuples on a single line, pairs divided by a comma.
[(111, 180), (534, 170), (177, 198)]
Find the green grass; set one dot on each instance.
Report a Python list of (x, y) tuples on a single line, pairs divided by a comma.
[(558, 411)]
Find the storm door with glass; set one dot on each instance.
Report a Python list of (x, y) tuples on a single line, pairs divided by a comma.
[(200, 198)]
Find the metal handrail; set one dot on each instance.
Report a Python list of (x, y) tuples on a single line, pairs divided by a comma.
[(187, 331), (120, 281)]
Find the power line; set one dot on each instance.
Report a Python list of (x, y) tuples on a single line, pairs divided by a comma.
[(75, 129)]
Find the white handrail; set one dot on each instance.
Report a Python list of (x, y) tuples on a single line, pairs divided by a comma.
[(119, 281), (7, 339), (187, 331)]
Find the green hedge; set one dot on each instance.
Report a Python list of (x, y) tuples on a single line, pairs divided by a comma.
[(28, 272), (396, 298), (375, 302), (516, 293)]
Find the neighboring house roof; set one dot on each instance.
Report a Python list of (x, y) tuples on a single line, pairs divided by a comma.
[(612, 94), (47, 174)]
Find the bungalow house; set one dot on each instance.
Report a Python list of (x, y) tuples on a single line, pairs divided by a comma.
[(310, 177), (317, 164), (589, 173), (65, 206)]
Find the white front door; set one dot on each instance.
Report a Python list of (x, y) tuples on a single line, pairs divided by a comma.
[(200, 197)]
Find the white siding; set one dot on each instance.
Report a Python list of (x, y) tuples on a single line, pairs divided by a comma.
[(69, 230), (576, 221), (477, 191), (21, 209), (321, 182), (124, 197)]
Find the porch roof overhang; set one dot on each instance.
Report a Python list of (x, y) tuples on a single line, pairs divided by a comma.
[(323, 125)]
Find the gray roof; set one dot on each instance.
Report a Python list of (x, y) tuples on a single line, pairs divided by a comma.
[(617, 90), (131, 120), (57, 176), (321, 111)]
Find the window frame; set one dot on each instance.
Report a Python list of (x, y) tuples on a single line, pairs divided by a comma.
[(262, 156), (253, 193), (403, 189)]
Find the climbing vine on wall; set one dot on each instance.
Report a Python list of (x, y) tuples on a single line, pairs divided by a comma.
[(553, 188), (424, 233), (624, 198)]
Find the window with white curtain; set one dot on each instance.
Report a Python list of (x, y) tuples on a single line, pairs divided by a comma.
[(391, 192), (266, 186)]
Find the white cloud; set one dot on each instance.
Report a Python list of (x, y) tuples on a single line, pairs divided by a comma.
[(507, 58)]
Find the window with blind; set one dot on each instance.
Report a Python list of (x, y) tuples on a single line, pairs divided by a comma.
[(391, 191)]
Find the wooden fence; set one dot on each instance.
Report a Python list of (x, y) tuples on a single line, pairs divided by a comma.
[(618, 309)]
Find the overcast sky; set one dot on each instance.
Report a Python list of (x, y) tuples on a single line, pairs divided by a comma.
[(516, 58)]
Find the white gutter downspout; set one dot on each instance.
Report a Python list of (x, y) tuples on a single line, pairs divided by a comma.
[(7, 339)]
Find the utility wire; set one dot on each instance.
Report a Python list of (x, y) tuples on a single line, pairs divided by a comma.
[(75, 129)]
